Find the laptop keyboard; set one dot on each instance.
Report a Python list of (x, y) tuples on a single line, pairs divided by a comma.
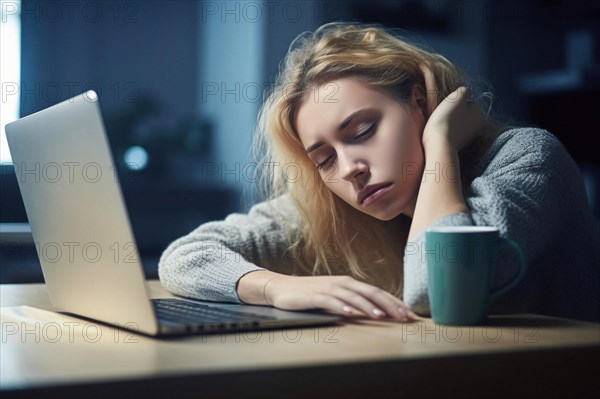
[(188, 312)]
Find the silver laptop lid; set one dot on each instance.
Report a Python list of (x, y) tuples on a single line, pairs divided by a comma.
[(78, 218)]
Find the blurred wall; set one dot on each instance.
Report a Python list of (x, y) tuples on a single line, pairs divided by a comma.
[(122, 49)]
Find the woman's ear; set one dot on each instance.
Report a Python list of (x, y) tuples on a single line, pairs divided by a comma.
[(420, 99), (430, 89)]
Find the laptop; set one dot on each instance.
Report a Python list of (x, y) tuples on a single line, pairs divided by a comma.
[(84, 241)]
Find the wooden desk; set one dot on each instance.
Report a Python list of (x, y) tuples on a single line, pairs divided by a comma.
[(45, 353)]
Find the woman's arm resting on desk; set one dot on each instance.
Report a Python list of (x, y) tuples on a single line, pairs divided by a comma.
[(208, 262), (241, 259), (336, 294)]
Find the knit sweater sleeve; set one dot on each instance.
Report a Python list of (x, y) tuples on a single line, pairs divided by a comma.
[(520, 191), (208, 262)]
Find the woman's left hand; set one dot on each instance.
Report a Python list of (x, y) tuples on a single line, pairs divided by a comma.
[(455, 121)]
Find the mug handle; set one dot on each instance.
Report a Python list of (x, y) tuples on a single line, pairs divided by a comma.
[(522, 268)]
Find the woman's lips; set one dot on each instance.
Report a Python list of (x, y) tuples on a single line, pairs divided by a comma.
[(377, 195)]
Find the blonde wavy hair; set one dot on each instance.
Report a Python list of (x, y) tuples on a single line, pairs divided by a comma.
[(334, 237)]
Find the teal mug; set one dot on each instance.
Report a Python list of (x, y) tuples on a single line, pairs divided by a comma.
[(461, 262)]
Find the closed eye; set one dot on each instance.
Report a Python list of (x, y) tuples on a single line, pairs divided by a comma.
[(325, 163), (365, 135)]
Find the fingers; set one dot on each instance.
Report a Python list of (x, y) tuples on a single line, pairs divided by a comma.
[(373, 301), (461, 93), (335, 305), (358, 301), (339, 295)]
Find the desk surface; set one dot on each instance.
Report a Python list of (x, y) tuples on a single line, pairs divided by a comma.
[(46, 352)]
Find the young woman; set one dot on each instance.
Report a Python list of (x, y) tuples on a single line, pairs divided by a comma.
[(369, 140)]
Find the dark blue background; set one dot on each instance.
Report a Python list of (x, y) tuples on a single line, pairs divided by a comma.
[(148, 59)]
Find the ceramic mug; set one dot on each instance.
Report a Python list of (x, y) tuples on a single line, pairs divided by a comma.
[(461, 262)]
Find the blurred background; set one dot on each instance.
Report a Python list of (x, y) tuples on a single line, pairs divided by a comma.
[(180, 84)]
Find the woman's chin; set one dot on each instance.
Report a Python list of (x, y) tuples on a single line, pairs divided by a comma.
[(386, 215)]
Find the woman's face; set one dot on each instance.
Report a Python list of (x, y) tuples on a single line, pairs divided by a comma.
[(361, 138)]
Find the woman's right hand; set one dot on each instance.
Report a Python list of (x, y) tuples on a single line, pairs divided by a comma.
[(341, 295), (455, 120)]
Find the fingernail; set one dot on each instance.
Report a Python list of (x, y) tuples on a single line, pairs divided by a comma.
[(378, 312), (347, 309), (402, 311)]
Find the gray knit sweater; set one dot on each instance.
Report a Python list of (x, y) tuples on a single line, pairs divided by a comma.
[(526, 184)]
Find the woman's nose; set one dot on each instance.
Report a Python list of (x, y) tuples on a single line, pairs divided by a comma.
[(350, 165)]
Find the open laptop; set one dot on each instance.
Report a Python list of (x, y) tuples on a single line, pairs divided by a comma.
[(84, 240)]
